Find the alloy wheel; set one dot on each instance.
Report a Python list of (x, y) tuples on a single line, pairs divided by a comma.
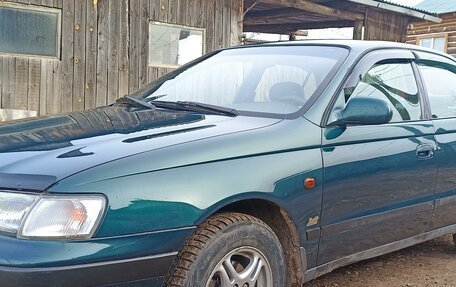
[(242, 267)]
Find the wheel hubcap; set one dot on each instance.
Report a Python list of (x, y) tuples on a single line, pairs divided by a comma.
[(242, 267)]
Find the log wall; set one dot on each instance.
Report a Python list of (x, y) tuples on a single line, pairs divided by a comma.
[(428, 29)]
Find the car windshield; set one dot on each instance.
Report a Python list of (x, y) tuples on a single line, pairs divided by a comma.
[(267, 80)]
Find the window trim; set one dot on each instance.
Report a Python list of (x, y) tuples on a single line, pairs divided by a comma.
[(425, 105), (36, 8), (433, 36), (203, 30)]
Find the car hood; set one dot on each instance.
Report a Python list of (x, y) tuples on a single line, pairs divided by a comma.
[(38, 152)]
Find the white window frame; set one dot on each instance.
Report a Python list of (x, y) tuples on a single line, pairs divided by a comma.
[(433, 37), (38, 9), (203, 30)]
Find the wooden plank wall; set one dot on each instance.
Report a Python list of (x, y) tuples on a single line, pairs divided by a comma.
[(105, 51), (385, 26), (426, 28)]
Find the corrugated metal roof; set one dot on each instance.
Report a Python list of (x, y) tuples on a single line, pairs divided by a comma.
[(415, 8), (395, 7), (437, 6)]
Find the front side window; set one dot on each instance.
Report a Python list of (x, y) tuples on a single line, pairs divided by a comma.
[(440, 79), (276, 80), (29, 30), (393, 82), (174, 45)]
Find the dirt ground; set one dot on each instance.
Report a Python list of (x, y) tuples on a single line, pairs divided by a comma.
[(429, 264)]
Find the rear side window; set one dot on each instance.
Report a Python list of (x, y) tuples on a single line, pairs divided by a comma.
[(440, 81), (393, 82)]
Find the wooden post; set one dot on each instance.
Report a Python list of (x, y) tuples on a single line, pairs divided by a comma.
[(358, 30)]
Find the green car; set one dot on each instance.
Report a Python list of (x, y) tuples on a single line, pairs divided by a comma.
[(254, 166)]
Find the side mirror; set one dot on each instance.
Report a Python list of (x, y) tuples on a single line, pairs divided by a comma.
[(365, 111)]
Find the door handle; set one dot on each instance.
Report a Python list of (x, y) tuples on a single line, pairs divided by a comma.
[(425, 151)]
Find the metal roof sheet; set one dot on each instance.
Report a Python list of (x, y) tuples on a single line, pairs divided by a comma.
[(395, 7), (437, 6), (416, 8)]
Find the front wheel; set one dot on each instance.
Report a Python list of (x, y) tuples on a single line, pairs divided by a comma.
[(230, 250)]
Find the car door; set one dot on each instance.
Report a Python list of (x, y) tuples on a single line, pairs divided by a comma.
[(379, 179), (439, 77)]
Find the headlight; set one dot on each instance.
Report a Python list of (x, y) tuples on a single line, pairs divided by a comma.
[(51, 216), (63, 217), (13, 207)]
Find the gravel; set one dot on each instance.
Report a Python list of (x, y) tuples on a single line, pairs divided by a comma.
[(431, 263)]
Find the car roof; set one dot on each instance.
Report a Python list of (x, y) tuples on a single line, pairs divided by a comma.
[(358, 46)]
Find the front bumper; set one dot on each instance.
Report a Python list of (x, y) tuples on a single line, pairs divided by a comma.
[(146, 271), (137, 260)]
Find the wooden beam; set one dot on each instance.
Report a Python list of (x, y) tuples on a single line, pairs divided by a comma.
[(266, 15), (293, 27), (280, 16), (312, 7)]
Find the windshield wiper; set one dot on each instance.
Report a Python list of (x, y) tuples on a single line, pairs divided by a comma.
[(208, 107), (196, 107), (135, 102)]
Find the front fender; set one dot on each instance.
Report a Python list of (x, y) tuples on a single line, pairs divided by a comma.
[(185, 196)]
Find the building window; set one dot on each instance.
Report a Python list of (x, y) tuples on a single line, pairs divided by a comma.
[(29, 30), (438, 42), (174, 45)]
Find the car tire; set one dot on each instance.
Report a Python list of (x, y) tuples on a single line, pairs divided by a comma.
[(230, 249)]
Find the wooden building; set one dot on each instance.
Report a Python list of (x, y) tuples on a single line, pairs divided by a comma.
[(371, 19), (440, 36), (97, 50), (68, 55)]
